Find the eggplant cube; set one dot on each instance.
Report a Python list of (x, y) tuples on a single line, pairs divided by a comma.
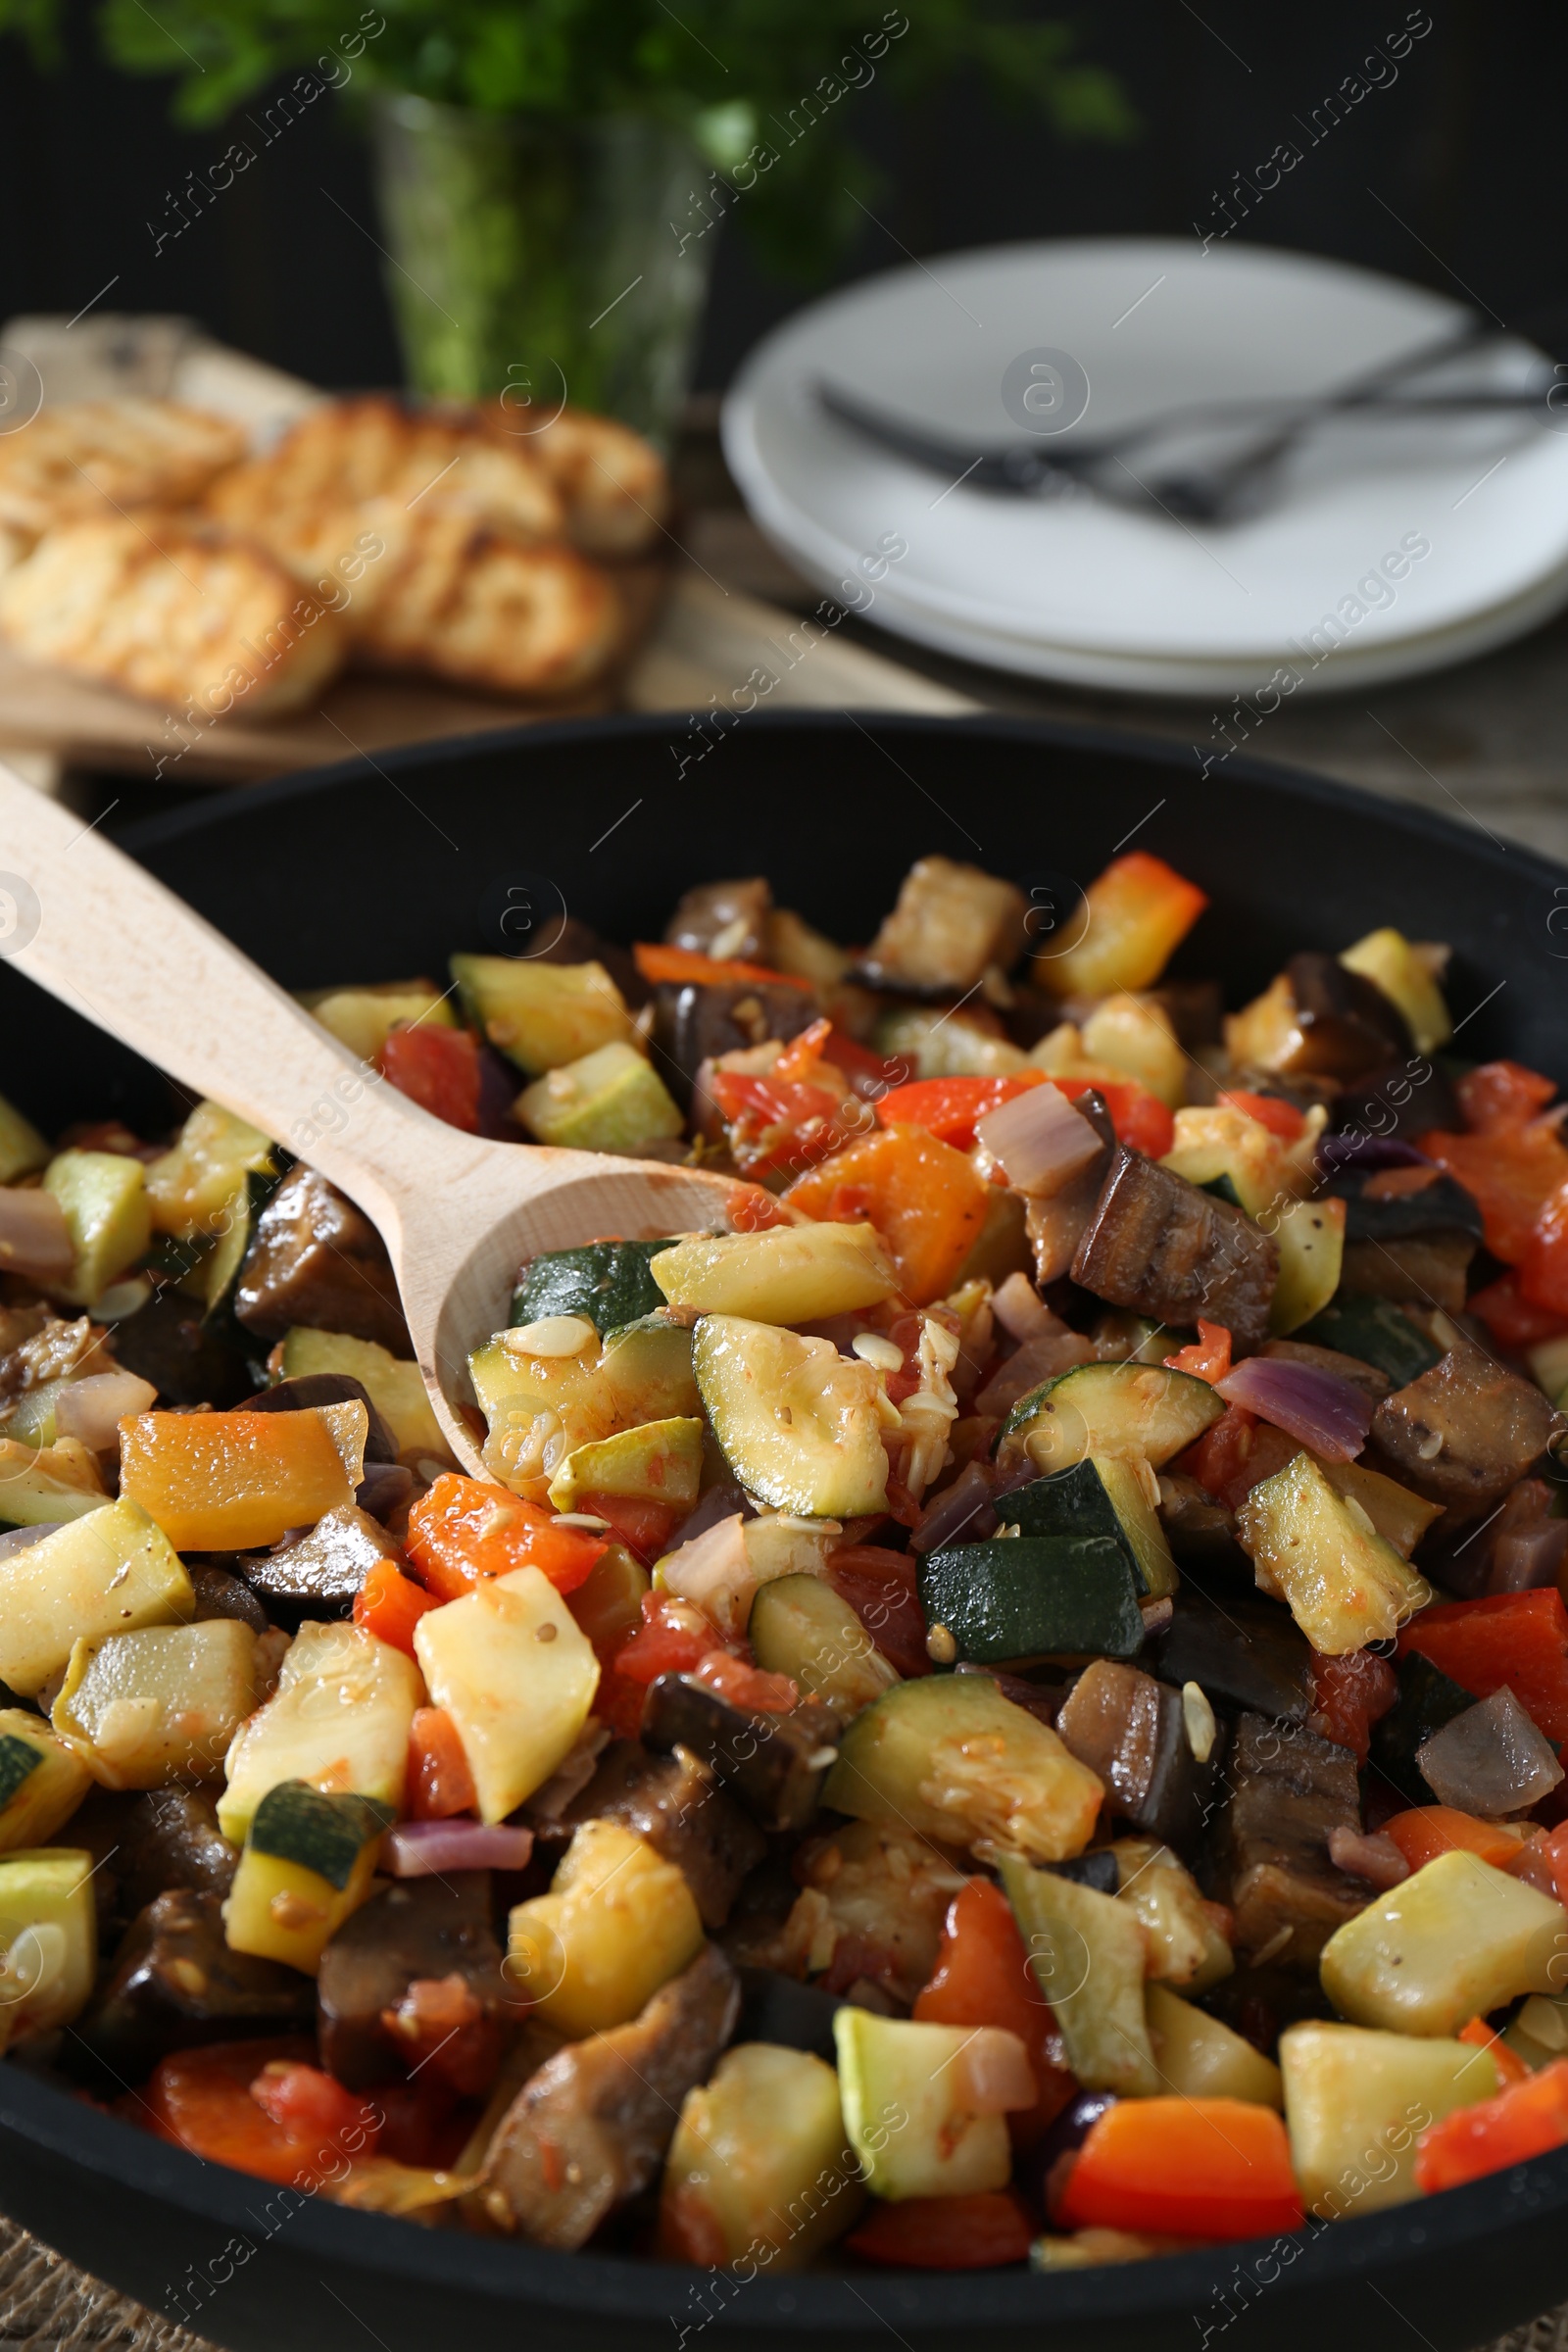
[(774, 1764)]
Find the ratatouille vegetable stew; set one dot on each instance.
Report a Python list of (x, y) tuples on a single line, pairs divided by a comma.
[(1007, 1706)]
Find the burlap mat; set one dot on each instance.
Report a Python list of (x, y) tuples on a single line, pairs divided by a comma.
[(47, 2305)]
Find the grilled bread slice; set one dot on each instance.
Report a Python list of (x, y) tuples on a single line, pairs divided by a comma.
[(92, 459), (348, 452), (174, 612), (482, 609), (611, 482)]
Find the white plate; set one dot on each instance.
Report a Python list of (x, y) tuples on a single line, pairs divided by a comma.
[(1060, 588)]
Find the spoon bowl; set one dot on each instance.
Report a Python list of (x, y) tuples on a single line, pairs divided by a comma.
[(458, 1213)]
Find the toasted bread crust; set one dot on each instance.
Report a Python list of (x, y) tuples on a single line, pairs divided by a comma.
[(612, 483), (91, 458), (175, 614)]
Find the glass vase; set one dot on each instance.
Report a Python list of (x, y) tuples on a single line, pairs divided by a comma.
[(540, 262)]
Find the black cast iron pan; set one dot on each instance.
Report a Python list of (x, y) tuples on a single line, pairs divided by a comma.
[(375, 869)]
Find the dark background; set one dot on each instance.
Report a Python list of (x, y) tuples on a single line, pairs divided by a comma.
[(1452, 175)]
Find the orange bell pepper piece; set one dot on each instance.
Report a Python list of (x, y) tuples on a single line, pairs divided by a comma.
[(1428, 1831), (1524, 2120), (463, 1530), (232, 1482), (923, 1198), (390, 1604), (1185, 2168), (440, 1783), (983, 1978)]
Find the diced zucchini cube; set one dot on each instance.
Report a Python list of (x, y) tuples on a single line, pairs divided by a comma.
[(792, 1274), (339, 1719), (23, 1149), (759, 2167), (1310, 1235), (190, 1189), (42, 1782), (42, 1485), (661, 1461), (308, 1863), (1088, 1954), (1355, 2103), (397, 1390), (1388, 959), (610, 1101), (1454, 1940), (1313, 1549), (517, 1676), (363, 1019), (1198, 2058), (161, 1705), (542, 1014), (618, 1921), (800, 1425), (104, 1197), (49, 1938), (905, 2112), (112, 1572)]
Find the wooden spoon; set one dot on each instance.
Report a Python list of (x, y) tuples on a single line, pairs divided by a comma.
[(459, 1214)]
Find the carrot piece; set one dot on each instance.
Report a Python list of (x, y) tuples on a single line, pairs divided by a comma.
[(201, 2100), (923, 1198), (682, 966), (983, 1978), (980, 2232), (1524, 2120), (1427, 1831), (390, 1604), (232, 1482), (1185, 2168), (440, 1783), (463, 1530)]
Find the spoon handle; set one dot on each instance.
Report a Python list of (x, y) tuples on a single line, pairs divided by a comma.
[(84, 921)]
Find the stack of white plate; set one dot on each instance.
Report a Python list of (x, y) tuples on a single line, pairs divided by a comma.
[(1387, 547)]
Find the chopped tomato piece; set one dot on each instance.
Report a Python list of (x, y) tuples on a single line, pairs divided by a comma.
[(642, 1526), (1235, 1455), (1482, 2037), (437, 1068), (870, 1075), (880, 1588), (619, 1702), (1501, 1093), (775, 1123), (310, 2104), (1280, 1119), (948, 1107), (201, 2100), (1185, 2168), (657, 963), (390, 1604), (1509, 1172), (1523, 2120), (981, 2231), (1349, 1695), (983, 1978), (423, 2124), (1511, 1318), (1543, 1267), (1141, 1119), (1520, 1638), (923, 1198), (463, 1529), (440, 2022), (746, 1686), (1208, 1357), (1427, 1831), (440, 1783), (672, 1638), (753, 1210)]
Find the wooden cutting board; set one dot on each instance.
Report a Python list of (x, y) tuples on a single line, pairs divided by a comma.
[(700, 645)]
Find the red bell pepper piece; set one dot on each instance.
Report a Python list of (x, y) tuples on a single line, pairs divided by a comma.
[(1511, 1318), (1280, 1119), (1141, 1120), (1208, 1357), (1349, 1695), (948, 1107), (437, 1068), (880, 1588), (983, 1978), (390, 1604), (440, 1783), (463, 1530), (1524, 2120), (681, 966), (1427, 1831), (1185, 2168), (1503, 1094), (1543, 1267), (981, 2231), (1510, 1172), (923, 1198), (1520, 1638)]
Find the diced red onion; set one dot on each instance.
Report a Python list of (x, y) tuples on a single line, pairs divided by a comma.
[(34, 1237), (1369, 1152), (1329, 1415), (93, 1408), (957, 1512), (429, 1849), (1041, 1142), (993, 2073), (1021, 1312), (1377, 1858)]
